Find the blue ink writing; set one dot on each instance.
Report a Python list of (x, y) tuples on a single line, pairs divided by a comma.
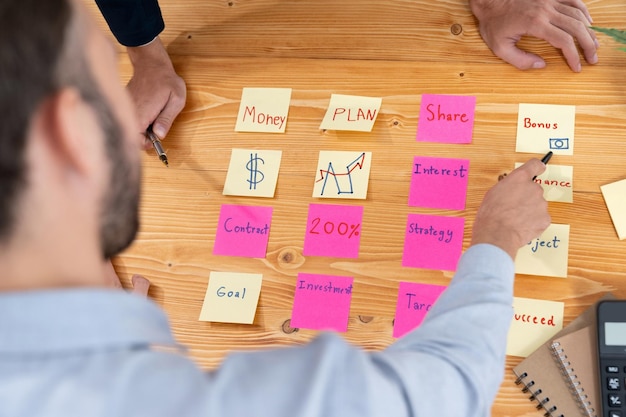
[(247, 229), (221, 292), (538, 243), (441, 235), (431, 170), (328, 288), (415, 305)]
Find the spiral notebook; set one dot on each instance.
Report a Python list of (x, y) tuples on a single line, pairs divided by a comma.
[(544, 382)]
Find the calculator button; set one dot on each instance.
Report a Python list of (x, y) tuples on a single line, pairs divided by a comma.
[(613, 383), (615, 400), (615, 413), (612, 369)]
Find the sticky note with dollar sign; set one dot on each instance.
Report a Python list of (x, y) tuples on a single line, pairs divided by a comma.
[(252, 173)]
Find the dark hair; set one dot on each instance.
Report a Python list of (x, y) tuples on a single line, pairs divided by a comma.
[(32, 35)]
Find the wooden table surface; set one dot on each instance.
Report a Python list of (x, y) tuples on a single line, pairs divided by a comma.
[(397, 50)]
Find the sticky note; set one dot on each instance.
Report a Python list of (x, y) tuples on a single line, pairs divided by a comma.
[(615, 198), (433, 242), (546, 255), (322, 302), (333, 230), (263, 110), (557, 182), (342, 174), (231, 297), (355, 113), (534, 323), (252, 173), (446, 118), (243, 231), (546, 127), (439, 183), (414, 301)]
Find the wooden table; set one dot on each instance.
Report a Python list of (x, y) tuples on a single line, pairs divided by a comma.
[(395, 50)]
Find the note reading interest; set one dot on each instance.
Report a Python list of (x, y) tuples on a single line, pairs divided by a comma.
[(322, 302), (439, 183), (446, 118), (231, 297)]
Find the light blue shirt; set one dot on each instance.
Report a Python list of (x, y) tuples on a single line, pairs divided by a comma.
[(94, 352)]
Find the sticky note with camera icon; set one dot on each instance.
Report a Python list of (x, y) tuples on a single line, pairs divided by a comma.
[(546, 127)]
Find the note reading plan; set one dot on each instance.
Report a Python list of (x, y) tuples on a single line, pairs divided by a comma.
[(351, 113)]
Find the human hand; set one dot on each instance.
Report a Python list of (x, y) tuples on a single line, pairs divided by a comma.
[(141, 285), (562, 23), (158, 92), (513, 211)]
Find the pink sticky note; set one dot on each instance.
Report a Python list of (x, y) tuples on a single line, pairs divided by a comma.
[(243, 231), (333, 230), (414, 301), (444, 118), (439, 183), (322, 302), (433, 242)]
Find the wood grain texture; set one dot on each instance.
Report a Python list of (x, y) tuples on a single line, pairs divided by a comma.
[(396, 50)]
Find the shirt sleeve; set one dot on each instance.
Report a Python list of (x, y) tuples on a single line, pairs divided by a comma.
[(132, 22), (452, 364)]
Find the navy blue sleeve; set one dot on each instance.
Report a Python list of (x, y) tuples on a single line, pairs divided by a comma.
[(133, 22)]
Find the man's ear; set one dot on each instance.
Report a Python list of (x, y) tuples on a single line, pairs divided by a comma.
[(69, 121)]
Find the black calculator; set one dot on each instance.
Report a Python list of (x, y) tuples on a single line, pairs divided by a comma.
[(612, 357)]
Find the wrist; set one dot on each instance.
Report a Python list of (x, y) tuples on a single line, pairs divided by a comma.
[(150, 54)]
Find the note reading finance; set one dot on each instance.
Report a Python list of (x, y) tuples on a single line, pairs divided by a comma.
[(252, 173), (263, 110), (534, 322), (446, 118), (433, 242), (322, 302), (231, 297), (557, 182), (414, 301), (546, 127), (333, 230), (342, 174), (546, 255), (439, 183), (243, 231), (615, 198), (351, 113)]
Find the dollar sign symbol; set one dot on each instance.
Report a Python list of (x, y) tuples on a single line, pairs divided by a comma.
[(253, 167)]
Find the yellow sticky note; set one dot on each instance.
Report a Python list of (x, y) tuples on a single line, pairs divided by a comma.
[(546, 127), (252, 172), (534, 322), (557, 182), (231, 297), (351, 113), (342, 174), (615, 198), (546, 255), (263, 110)]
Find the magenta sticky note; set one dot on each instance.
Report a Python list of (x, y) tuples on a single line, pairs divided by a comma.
[(333, 230), (439, 183), (446, 118), (322, 302), (433, 242), (243, 231), (414, 301)]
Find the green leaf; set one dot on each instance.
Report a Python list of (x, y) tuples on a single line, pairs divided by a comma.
[(618, 35)]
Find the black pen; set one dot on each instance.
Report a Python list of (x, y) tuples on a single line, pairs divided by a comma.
[(545, 160), (156, 143)]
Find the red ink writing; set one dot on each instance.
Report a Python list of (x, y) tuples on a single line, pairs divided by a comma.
[(329, 228), (529, 318), (446, 117), (355, 115), (529, 124), (263, 118)]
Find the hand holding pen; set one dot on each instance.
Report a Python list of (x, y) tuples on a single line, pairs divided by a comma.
[(156, 143)]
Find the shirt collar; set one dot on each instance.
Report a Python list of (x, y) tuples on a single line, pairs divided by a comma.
[(54, 321)]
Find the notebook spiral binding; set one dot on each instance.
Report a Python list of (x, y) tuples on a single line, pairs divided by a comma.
[(535, 395), (573, 383)]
